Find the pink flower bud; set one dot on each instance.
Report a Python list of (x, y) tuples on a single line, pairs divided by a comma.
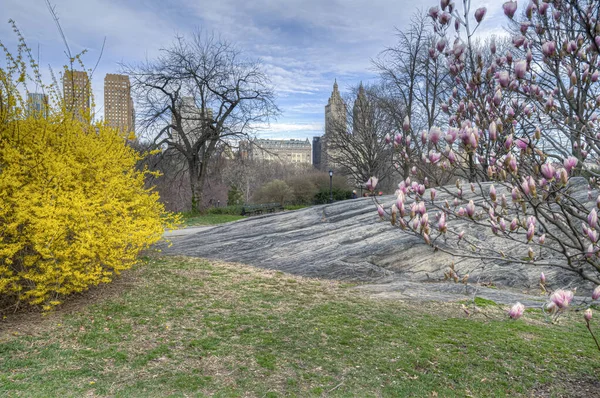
[(530, 253), (517, 310), (406, 124), (461, 235), (503, 78), (508, 142), (510, 7), (514, 224), (434, 12), (441, 45), (372, 183), (530, 232), (380, 211), (442, 223), (562, 298), (432, 192), (426, 238), (388, 139), (542, 278), (542, 239), (596, 293), (593, 219), (461, 212), (480, 13), (492, 193), (588, 315), (471, 209), (564, 177)]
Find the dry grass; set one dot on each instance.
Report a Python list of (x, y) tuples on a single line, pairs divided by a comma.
[(187, 327)]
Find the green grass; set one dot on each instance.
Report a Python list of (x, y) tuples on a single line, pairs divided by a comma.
[(189, 327), (195, 219), (296, 207)]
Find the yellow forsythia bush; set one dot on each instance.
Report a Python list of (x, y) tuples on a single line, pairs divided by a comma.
[(73, 208)]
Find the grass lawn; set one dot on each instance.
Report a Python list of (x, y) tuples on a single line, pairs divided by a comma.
[(189, 327), (208, 219)]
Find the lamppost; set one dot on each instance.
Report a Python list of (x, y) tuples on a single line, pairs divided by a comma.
[(330, 186)]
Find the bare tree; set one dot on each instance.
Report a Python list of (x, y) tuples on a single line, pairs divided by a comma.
[(416, 82), (358, 142), (198, 93)]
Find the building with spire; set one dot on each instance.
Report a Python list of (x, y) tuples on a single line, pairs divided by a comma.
[(335, 118)]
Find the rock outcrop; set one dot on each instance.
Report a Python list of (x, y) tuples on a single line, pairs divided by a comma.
[(347, 241)]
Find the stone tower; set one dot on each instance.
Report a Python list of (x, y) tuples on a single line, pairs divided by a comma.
[(361, 112), (335, 118)]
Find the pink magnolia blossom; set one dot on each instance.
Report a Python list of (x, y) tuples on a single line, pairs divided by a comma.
[(562, 298), (503, 78), (444, 18), (542, 278), (461, 235), (542, 239), (520, 69), (587, 315), (517, 310), (522, 144), (570, 163), (514, 224), (510, 7), (518, 41), (388, 139), (549, 48), (432, 192), (372, 183), (380, 211), (480, 13), (596, 293), (548, 171), (435, 134)]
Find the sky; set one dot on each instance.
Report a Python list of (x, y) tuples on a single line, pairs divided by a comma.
[(303, 44)]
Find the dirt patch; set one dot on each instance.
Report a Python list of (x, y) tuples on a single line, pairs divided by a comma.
[(31, 320)]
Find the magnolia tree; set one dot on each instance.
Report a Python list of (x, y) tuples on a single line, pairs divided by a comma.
[(502, 130)]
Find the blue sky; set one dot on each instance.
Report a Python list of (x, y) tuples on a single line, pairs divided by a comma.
[(304, 44)]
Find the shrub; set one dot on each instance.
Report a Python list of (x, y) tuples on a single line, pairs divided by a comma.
[(304, 189), (73, 208), (232, 210), (275, 191)]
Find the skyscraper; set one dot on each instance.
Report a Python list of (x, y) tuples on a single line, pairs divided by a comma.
[(118, 105), (37, 104), (335, 119), (76, 89)]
